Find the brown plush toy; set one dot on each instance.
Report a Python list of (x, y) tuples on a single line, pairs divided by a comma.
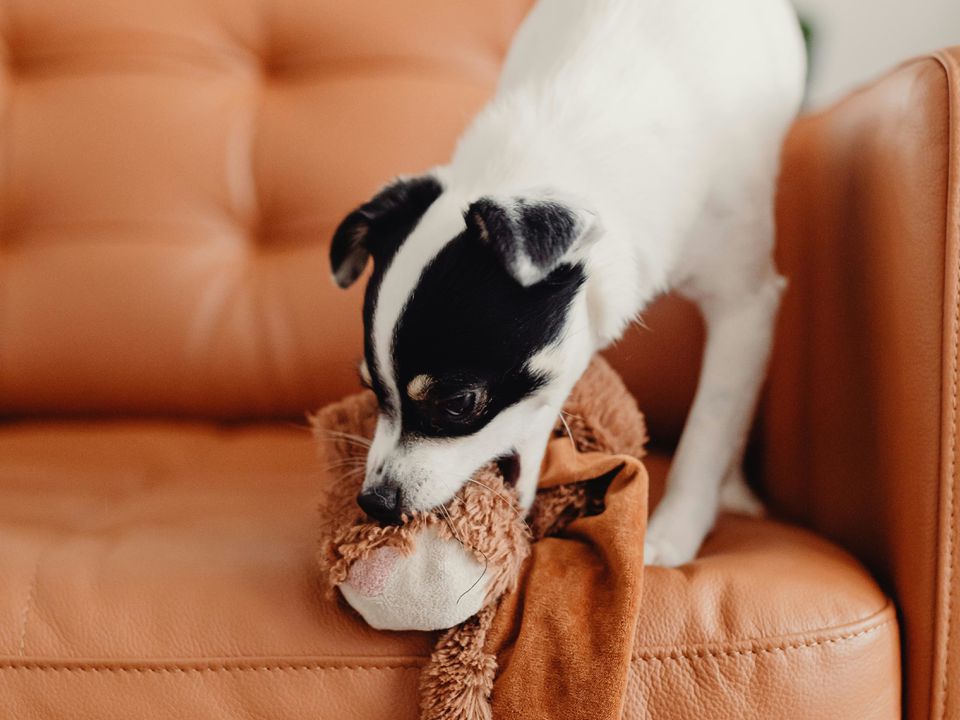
[(458, 567)]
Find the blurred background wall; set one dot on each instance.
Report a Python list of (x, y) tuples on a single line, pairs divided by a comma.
[(854, 40)]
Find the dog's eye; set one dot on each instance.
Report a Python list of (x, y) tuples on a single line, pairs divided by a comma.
[(460, 405)]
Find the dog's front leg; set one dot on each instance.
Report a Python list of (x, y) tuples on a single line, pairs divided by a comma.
[(739, 335)]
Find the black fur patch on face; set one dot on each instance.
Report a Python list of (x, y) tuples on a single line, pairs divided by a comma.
[(381, 225), (470, 326)]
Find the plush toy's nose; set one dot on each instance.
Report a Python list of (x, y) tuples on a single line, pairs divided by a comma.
[(382, 503)]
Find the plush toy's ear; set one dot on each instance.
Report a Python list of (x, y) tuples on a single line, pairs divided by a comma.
[(379, 225), (532, 236)]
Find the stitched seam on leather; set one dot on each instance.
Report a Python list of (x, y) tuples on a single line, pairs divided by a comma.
[(874, 619), (766, 649), (28, 603), (699, 655), (950, 500), (177, 670), (950, 479)]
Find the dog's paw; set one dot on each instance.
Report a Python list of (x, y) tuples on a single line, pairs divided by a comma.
[(668, 549), (661, 553)]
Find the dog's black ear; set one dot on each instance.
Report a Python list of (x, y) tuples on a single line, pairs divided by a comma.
[(379, 225), (532, 236)]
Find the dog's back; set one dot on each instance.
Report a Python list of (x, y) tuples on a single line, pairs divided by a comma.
[(721, 53)]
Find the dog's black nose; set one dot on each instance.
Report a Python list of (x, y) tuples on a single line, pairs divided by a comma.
[(382, 503)]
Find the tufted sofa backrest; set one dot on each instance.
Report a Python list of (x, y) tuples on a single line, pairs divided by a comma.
[(172, 171)]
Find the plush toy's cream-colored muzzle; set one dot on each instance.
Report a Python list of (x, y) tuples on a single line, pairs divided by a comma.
[(432, 571), (436, 586)]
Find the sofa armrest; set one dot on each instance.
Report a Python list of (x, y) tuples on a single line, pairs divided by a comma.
[(859, 429)]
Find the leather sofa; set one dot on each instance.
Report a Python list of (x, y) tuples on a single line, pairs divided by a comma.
[(171, 174)]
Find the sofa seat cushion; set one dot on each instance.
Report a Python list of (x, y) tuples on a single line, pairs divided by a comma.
[(171, 566)]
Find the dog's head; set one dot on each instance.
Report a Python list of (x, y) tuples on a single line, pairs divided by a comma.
[(470, 317)]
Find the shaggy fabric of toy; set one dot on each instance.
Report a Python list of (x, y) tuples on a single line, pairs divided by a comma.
[(564, 582)]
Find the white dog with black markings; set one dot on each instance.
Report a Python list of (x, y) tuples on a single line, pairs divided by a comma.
[(632, 148)]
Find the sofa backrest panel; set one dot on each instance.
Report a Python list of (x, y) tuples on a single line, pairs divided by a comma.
[(172, 171)]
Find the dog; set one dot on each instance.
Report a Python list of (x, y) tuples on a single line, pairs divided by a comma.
[(632, 148)]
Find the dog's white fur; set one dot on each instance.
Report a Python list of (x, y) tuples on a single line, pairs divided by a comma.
[(662, 121)]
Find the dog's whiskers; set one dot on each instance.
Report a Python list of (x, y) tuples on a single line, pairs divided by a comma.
[(347, 462), (486, 564), (353, 444), (352, 473), (567, 428), (445, 514), (335, 435), (486, 560)]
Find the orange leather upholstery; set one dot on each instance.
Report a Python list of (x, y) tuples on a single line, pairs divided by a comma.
[(860, 429), (166, 570), (171, 175), (173, 171)]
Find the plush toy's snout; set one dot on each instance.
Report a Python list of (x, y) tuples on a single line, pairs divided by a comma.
[(436, 569), (367, 578), (436, 586)]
